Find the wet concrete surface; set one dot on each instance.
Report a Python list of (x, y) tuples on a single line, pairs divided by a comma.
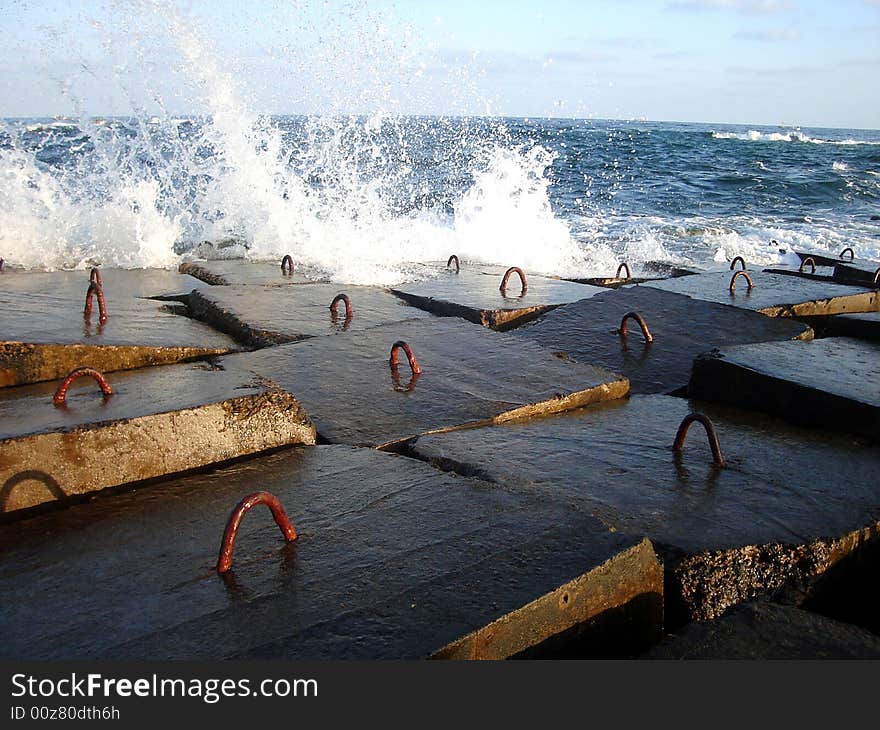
[(474, 295), (863, 273), (393, 560), (832, 383), (768, 631), (789, 503), (263, 316), (823, 259), (158, 421), (682, 328), (469, 375), (238, 271), (41, 316), (776, 295)]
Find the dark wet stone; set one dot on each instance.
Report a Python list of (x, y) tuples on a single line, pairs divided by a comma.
[(829, 383), (262, 316), (470, 375), (788, 504), (682, 328), (474, 295), (776, 295), (393, 560), (768, 631)]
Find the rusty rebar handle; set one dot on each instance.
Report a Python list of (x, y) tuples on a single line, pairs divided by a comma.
[(522, 278), (413, 364), (852, 254), (60, 397), (623, 266), (452, 259), (743, 273), (224, 561), (741, 260), (341, 297), (95, 276), (95, 290), (641, 322), (680, 435), (809, 260), (287, 265), (877, 276)]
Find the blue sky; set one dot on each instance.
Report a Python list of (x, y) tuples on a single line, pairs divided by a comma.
[(788, 62)]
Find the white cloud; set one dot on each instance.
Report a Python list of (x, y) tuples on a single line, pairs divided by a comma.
[(741, 6)]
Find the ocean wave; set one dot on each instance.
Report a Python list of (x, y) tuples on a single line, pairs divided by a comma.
[(794, 135)]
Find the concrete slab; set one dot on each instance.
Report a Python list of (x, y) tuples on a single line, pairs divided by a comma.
[(469, 375), (476, 297), (864, 273), (681, 328), (861, 326), (45, 334), (650, 270), (238, 271), (824, 259), (831, 383), (393, 560), (768, 631), (157, 422), (263, 316), (789, 503), (775, 295)]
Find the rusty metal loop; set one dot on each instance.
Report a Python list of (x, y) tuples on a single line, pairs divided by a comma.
[(392, 361), (641, 322), (95, 276), (224, 561), (809, 260), (877, 276), (96, 290), (625, 266), (680, 435), (741, 260), (852, 254), (743, 273), (287, 265), (60, 397), (457, 264), (522, 278), (341, 297)]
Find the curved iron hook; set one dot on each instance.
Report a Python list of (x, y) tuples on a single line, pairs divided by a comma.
[(413, 364), (60, 397), (457, 264), (680, 435), (287, 265), (96, 290), (624, 265), (809, 260), (852, 254), (224, 561), (341, 297), (743, 273), (522, 278), (641, 322), (741, 260)]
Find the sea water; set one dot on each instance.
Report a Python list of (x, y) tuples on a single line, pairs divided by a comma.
[(366, 198)]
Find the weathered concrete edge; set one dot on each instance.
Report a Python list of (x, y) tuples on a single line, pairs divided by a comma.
[(704, 585), (496, 319), (848, 303), (103, 455), (620, 580), (597, 394), (211, 313), (23, 363), (202, 274)]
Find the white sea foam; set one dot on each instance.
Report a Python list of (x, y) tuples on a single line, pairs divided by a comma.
[(793, 135)]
